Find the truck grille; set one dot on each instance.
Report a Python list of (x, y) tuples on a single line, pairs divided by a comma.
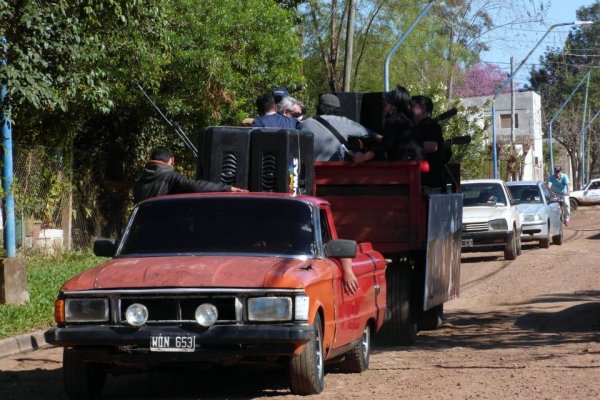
[(476, 227), (169, 309)]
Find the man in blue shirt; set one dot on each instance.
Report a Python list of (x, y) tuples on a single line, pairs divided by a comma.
[(559, 184), (269, 117)]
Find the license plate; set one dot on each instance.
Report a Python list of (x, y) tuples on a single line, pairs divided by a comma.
[(173, 343), (467, 243)]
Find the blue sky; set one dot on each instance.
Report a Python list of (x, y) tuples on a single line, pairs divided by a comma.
[(519, 40)]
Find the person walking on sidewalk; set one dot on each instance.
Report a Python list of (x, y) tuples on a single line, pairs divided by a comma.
[(559, 184)]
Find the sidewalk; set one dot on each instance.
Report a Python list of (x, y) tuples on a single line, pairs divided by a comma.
[(22, 344)]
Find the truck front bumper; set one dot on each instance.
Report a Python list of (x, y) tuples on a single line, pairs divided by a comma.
[(216, 343)]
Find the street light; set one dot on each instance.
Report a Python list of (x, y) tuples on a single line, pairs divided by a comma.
[(510, 79)]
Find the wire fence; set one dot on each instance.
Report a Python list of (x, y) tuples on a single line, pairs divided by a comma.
[(48, 215)]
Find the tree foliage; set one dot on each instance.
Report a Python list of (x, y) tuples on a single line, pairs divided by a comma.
[(560, 72)]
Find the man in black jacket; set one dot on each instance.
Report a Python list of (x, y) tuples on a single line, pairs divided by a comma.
[(160, 178)]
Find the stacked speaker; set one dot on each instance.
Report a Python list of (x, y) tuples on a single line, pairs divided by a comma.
[(258, 159)]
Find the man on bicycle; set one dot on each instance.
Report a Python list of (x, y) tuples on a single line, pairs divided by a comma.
[(559, 184)]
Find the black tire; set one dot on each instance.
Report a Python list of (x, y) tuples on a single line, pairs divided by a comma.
[(558, 239), (510, 250), (357, 359), (545, 243), (401, 329), (574, 203), (307, 369), (432, 318), (519, 246), (81, 380)]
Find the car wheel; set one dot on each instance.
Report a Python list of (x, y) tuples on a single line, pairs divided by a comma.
[(432, 318), (519, 246), (82, 380), (357, 359), (558, 239), (510, 250), (307, 369), (573, 203), (545, 242), (401, 329)]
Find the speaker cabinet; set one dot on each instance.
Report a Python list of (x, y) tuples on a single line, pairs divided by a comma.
[(281, 161), (350, 105), (371, 112), (225, 156)]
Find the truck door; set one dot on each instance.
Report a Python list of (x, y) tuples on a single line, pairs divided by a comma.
[(592, 193)]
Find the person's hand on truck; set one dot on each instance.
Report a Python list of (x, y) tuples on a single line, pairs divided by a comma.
[(350, 281)]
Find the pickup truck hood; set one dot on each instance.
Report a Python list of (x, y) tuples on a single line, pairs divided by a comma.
[(482, 213), (198, 271)]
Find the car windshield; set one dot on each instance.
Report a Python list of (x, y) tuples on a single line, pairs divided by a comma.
[(220, 225), (478, 194), (526, 193)]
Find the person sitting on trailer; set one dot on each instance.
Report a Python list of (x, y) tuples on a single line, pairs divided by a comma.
[(159, 178), (331, 131), (268, 117), (429, 136)]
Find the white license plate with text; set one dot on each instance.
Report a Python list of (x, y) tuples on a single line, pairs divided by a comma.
[(467, 243), (173, 343)]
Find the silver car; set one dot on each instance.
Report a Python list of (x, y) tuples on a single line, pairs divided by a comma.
[(539, 211)]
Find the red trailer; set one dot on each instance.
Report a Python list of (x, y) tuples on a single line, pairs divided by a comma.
[(382, 203)]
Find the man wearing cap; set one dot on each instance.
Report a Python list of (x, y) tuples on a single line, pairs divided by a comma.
[(269, 117), (330, 142), (559, 184)]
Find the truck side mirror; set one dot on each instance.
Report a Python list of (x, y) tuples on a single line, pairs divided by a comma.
[(104, 247), (341, 248)]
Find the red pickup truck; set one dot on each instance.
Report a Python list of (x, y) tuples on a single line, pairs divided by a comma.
[(226, 278)]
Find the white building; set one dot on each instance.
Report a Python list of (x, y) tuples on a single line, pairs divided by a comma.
[(528, 127)]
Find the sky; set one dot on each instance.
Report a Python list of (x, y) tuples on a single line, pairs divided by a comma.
[(517, 41)]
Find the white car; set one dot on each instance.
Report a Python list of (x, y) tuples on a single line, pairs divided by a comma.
[(590, 195), (539, 211), (490, 218)]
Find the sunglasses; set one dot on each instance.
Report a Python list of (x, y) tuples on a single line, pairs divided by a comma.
[(296, 114)]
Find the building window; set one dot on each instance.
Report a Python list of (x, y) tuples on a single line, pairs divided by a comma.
[(505, 121)]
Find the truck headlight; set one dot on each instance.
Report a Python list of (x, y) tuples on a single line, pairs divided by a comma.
[(532, 218), (86, 310), (301, 308), (267, 309), (498, 225)]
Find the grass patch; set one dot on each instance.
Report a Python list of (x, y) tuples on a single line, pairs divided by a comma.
[(45, 276)]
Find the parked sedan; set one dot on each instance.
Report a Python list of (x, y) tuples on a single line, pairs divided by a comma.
[(539, 211), (588, 196)]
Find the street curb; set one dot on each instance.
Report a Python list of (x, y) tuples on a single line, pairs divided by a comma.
[(23, 343)]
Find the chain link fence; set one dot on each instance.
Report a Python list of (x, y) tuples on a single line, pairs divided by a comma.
[(48, 215)]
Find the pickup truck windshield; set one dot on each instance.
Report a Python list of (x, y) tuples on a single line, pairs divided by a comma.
[(221, 225)]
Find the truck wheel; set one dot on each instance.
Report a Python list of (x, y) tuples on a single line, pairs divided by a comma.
[(82, 380), (545, 242), (510, 250), (401, 329), (357, 359), (519, 246), (558, 239), (432, 318), (307, 369)]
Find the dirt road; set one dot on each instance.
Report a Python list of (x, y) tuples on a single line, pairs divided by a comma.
[(526, 329)]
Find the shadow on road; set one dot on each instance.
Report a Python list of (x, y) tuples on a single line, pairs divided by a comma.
[(517, 326)]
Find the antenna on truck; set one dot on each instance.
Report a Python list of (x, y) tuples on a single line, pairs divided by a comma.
[(173, 125)]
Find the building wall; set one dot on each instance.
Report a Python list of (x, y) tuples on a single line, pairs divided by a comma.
[(528, 129)]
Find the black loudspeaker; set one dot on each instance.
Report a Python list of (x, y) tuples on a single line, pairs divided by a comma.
[(350, 105), (225, 156), (371, 112), (281, 161)]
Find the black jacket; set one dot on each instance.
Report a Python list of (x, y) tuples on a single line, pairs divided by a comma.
[(160, 178)]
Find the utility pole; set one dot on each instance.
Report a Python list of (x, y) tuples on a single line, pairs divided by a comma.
[(513, 139), (349, 45)]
